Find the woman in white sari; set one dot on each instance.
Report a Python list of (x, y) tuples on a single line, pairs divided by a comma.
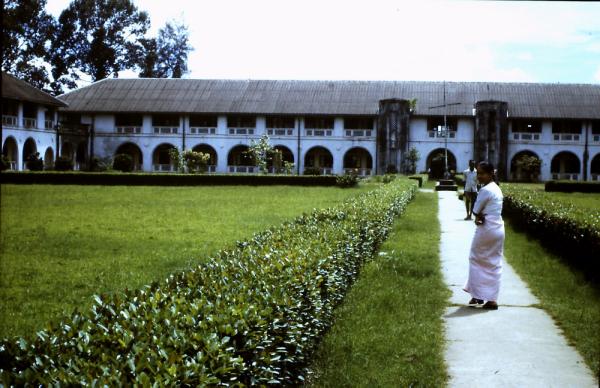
[(485, 258)]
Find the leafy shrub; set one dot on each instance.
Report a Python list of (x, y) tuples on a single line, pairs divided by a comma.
[(63, 163), (252, 315), (100, 164), (4, 163), (195, 161), (123, 162), (34, 162), (346, 180), (312, 171), (391, 169), (387, 178), (572, 232)]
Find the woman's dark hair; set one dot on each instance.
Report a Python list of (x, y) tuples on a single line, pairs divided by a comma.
[(486, 167)]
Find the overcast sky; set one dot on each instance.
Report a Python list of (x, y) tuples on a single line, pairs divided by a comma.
[(385, 39)]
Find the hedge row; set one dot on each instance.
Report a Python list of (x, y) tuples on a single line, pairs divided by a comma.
[(251, 315), (572, 186), (572, 232), (157, 179)]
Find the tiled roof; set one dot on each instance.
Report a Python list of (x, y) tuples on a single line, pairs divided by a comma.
[(329, 97), (16, 89)]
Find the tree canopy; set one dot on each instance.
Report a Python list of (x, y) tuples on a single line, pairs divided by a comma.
[(166, 56)]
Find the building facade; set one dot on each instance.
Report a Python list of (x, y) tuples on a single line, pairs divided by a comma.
[(333, 126)]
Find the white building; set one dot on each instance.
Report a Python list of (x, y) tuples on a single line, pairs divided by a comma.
[(330, 125)]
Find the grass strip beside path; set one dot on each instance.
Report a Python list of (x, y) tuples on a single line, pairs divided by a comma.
[(573, 303), (389, 331)]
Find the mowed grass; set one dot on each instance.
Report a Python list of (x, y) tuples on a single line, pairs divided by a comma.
[(564, 293), (61, 244), (389, 332)]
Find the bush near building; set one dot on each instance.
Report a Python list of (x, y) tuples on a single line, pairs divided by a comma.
[(250, 316)]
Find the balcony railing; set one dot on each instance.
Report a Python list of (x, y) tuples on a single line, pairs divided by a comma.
[(28, 122), (440, 134), (203, 130), (595, 177), (48, 124), (531, 136), (12, 165), (565, 176), (280, 131), (359, 132), (129, 129), (358, 171), (9, 121), (166, 130), (164, 168), (242, 169), (566, 137), (319, 132), (241, 131)]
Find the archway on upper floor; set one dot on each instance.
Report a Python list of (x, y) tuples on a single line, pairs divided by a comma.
[(525, 167), (208, 149), (358, 160), (29, 148), (238, 159), (10, 150), (161, 158), (318, 159), (436, 163), (595, 168), (276, 161), (565, 165), (49, 158), (134, 151)]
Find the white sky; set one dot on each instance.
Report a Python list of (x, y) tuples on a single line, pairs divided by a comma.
[(385, 39)]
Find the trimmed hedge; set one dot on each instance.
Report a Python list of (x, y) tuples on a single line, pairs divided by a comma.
[(155, 179), (420, 178), (571, 186), (251, 315), (573, 233)]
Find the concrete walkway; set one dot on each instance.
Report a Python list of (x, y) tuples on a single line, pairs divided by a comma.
[(517, 345)]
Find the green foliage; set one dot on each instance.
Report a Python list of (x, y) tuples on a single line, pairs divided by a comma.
[(195, 161), (411, 159), (166, 56), (101, 164), (346, 180), (261, 151), (63, 163), (571, 186), (391, 169), (530, 166), (34, 162), (312, 171), (177, 159), (26, 30), (288, 167), (4, 163), (250, 315), (571, 230), (123, 162)]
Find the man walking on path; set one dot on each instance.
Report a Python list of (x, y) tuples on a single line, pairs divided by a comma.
[(470, 192), (516, 346)]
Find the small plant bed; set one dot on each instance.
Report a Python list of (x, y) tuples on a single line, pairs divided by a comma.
[(388, 331), (249, 315), (567, 223), (566, 295)]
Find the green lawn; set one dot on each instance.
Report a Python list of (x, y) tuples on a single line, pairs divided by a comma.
[(388, 332), (61, 244)]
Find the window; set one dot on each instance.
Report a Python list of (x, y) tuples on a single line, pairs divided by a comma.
[(241, 121), (203, 121), (281, 122), (566, 126), (358, 122), (318, 122), (527, 125), (165, 120), (596, 127), (128, 120), (438, 121)]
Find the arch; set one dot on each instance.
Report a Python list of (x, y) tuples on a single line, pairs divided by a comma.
[(134, 151), (207, 149), (358, 159), (520, 173), (239, 161), (161, 158), (29, 148), (595, 168), (320, 158), (49, 158), (10, 150), (435, 163), (287, 155), (81, 156), (565, 165)]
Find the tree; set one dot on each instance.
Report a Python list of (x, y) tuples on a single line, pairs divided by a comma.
[(98, 38), (166, 56), (260, 151), (530, 166), (26, 36), (411, 159)]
